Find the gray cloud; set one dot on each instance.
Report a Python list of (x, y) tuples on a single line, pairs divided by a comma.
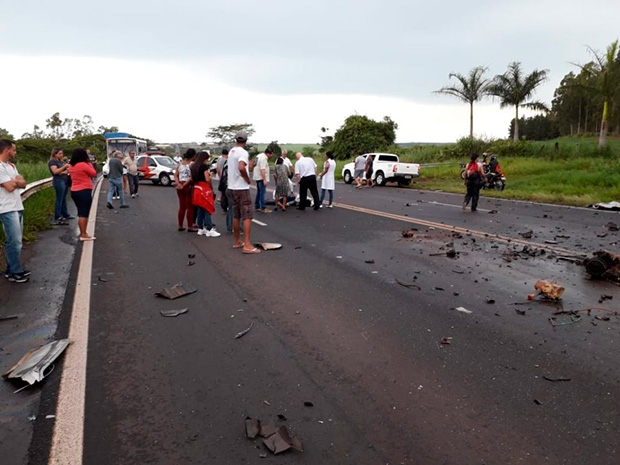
[(397, 48)]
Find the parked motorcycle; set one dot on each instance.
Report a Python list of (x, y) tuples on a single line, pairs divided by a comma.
[(496, 181)]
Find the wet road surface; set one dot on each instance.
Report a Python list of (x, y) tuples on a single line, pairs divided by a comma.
[(332, 326)]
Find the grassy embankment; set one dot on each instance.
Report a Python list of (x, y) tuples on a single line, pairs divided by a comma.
[(578, 174)]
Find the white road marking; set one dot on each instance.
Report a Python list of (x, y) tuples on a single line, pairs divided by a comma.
[(68, 436), (453, 206), (260, 223)]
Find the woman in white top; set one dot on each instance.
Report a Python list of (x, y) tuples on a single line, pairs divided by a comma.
[(328, 182), (183, 184)]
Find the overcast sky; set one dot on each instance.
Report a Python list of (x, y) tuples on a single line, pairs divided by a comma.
[(169, 70)]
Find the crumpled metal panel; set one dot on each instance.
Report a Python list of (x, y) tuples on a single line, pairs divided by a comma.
[(31, 367)]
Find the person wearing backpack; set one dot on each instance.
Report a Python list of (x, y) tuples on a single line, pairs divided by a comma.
[(473, 181)]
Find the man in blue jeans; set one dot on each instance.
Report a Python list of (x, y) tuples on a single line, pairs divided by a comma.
[(11, 212), (260, 175), (115, 178)]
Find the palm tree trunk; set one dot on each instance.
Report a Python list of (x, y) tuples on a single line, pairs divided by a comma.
[(516, 134), (602, 138), (471, 120)]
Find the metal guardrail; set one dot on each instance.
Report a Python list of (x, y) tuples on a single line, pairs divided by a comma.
[(35, 187)]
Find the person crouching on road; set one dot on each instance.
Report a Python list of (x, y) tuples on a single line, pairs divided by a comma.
[(12, 212), (328, 182), (473, 181), (239, 185), (260, 175), (183, 186), (82, 174), (305, 171), (202, 197), (115, 180)]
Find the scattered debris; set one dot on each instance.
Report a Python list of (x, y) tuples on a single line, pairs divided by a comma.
[(103, 280), (537, 402), (601, 318), (605, 297), (191, 263), (551, 242), (438, 288), (409, 285), (173, 313), (176, 291), (606, 206), (245, 331), (489, 300), (458, 271), (604, 265), (451, 253), (519, 311), (493, 212), (308, 404), (282, 417), (32, 418), (547, 289), (33, 365), (297, 248), (252, 428), (612, 226), (191, 255), (268, 245), (555, 380), (572, 320), (409, 232), (446, 340), (527, 234), (369, 261), (8, 318), (50, 417), (463, 310), (282, 441)]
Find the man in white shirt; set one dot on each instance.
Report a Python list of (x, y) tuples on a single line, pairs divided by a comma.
[(305, 172), (360, 165), (261, 177), (11, 212), (239, 185)]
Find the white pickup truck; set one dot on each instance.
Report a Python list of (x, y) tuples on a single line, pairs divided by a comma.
[(386, 168)]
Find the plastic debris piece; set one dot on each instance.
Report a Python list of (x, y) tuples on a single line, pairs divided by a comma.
[(172, 313), (50, 417), (409, 285), (191, 255), (463, 310), (252, 427), (369, 261), (33, 365), (32, 418), (281, 417), (547, 289), (282, 441), (446, 340), (308, 404), (245, 331), (176, 291), (268, 245), (555, 379), (537, 402), (606, 206)]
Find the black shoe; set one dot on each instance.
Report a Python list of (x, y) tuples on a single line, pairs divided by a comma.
[(23, 273), (69, 217), (18, 278), (110, 206), (124, 206)]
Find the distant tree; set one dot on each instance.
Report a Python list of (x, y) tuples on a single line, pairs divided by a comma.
[(326, 140), (275, 148), (469, 89), (55, 125), (106, 130), (4, 134), (604, 82), (514, 89), (35, 134), (538, 127), (360, 134), (225, 135)]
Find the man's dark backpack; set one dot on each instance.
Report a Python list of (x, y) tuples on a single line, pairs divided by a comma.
[(223, 185)]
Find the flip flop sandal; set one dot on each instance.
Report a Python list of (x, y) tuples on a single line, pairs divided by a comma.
[(253, 251), (237, 246)]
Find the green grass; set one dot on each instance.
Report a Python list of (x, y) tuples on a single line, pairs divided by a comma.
[(33, 171), (575, 181)]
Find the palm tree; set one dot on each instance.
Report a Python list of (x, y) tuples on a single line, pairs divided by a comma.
[(470, 89), (601, 72), (514, 89)]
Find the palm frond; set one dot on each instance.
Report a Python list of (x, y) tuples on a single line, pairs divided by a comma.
[(538, 106)]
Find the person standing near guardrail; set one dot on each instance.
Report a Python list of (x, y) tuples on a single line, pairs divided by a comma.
[(82, 174), (60, 181), (115, 179), (12, 212)]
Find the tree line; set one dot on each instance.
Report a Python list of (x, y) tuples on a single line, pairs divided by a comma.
[(586, 102)]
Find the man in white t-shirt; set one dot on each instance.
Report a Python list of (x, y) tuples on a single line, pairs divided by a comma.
[(239, 185), (11, 212), (260, 175), (360, 166), (305, 172)]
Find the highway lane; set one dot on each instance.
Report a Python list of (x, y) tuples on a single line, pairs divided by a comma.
[(332, 329)]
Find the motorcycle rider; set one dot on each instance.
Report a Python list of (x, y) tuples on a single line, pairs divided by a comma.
[(494, 170)]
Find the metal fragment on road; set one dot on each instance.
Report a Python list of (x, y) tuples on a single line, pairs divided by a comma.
[(176, 291), (173, 313), (409, 285), (33, 365), (268, 245), (463, 310), (446, 340), (245, 331)]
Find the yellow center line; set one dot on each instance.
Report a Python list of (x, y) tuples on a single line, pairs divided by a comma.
[(460, 230)]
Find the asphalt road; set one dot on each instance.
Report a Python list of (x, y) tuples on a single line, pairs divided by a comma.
[(332, 326)]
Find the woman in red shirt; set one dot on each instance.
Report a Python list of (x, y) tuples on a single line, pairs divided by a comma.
[(473, 181), (82, 172)]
